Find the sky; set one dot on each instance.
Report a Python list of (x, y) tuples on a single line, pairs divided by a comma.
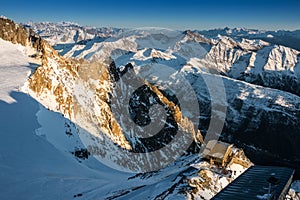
[(174, 14)]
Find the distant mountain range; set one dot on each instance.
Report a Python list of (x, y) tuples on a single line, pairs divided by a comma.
[(56, 31), (280, 37), (242, 54)]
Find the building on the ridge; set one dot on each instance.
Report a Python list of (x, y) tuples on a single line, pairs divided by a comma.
[(218, 152)]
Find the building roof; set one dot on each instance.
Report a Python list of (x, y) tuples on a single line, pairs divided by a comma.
[(216, 149), (254, 183)]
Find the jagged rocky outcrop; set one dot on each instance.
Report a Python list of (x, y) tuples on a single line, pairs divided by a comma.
[(18, 34)]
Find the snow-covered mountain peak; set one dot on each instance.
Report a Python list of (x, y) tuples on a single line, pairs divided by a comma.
[(70, 33), (3, 17)]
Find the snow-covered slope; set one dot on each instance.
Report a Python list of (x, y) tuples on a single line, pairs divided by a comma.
[(13, 58)]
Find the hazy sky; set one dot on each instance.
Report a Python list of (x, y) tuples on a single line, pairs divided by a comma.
[(185, 14)]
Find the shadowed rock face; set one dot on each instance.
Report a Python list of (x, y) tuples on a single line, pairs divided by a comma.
[(139, 107), (140, 104), (269, 135)]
